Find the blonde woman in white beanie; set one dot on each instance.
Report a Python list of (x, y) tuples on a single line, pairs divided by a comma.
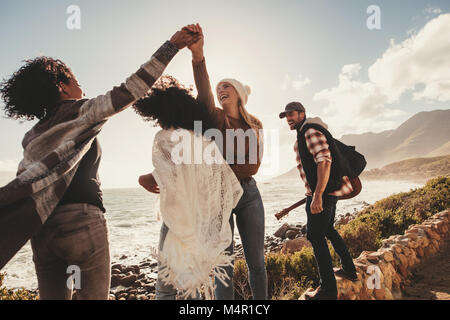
[(244, 162)]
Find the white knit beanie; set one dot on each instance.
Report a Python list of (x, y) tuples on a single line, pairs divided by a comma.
[(242, 90)]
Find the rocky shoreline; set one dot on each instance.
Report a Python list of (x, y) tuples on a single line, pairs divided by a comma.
[(138, 282), (135, 282)]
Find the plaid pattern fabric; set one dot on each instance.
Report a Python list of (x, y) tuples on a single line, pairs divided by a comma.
[(319, 148), (53, 150)]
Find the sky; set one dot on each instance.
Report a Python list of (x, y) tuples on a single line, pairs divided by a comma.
[(321, 53)]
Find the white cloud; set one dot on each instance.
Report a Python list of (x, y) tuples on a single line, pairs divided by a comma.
[(422, 59), (432, 10), (297, 83), (438, 90), (356, 106)]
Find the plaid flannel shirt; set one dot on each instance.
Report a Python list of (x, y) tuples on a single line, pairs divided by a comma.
[(318, 146)]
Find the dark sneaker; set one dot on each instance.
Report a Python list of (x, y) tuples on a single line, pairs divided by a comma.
[(323, 295), (344, 274)]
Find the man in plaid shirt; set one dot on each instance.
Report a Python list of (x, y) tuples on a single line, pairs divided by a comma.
[(318, 164)]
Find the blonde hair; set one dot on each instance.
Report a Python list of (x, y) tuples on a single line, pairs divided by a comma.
[(243, 91), (254, 123)]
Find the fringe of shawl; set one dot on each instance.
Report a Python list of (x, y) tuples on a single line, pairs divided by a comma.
[(191, 288)]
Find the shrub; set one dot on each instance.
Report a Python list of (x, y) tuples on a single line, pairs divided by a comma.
[(394, 214), (288, 275), (10, 294)]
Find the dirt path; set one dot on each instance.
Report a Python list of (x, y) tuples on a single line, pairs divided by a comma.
[(431, 281)]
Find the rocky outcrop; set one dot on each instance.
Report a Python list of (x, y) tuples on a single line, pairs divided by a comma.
[(136, 282), (295, 245), (383, 274), (290, 231)]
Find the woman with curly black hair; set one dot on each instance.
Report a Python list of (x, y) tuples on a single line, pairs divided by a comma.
[(56, 198), (197, 190), (171, 105), (37, 87)]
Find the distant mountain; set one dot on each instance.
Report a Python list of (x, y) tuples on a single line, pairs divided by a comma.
[(424, 134), (412, 169), (444, 149), (291, 174)]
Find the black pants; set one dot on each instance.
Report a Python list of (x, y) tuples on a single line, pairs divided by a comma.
[(320, 226)]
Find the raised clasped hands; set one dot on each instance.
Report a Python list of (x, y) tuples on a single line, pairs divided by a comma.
[(197, 46), (184, 38)]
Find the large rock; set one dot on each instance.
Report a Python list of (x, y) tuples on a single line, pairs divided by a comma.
[(291, 234), (281, 232), (379, 294), (295, 245), (120, 280)]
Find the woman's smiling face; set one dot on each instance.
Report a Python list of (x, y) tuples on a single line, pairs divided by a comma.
[(227, 94)]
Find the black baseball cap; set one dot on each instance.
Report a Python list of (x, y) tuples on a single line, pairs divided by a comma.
[(292, 106)]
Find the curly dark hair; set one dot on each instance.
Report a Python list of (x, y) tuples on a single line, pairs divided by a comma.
[(172, 105), (33, 89)]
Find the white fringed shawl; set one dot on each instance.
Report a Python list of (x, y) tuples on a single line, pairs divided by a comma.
[(196, 200)]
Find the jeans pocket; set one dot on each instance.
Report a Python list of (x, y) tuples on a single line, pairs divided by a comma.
[(75, 245), (71, 232)]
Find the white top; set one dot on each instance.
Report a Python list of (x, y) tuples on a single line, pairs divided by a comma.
[(196, 200)]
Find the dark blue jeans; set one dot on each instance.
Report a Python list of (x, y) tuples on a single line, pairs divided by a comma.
[(250, 222), (319, 227)]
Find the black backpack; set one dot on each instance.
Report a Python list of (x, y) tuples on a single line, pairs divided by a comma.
[(351, 162), (355, 161)]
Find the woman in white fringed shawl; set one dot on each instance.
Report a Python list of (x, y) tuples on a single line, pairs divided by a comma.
[(198, 191)]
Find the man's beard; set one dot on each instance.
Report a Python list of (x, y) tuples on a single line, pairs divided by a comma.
[(299, 125)]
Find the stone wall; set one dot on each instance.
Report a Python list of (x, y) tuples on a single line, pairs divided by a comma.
[(382, 274)]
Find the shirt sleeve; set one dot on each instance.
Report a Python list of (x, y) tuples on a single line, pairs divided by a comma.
[(317, 145)]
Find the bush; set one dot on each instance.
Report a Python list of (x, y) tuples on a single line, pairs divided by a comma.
[(10, 294), (288, 275), (394, 214)]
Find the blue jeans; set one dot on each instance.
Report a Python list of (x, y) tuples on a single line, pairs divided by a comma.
[(74, 235), (250, 222), (318, 227)]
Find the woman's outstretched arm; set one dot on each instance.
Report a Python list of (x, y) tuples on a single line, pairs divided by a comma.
[(201, 77), (137, 85)]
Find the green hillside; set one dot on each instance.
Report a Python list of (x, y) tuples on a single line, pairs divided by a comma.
[(412, 169)]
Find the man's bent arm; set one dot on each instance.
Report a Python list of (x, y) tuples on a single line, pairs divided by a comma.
[(323, 174)]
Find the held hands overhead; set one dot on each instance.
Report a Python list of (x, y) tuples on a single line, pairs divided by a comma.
[(197, 46), (184, 38), (190, 36)]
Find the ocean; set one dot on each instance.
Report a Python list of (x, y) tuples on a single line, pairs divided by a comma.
[(134, 229)]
